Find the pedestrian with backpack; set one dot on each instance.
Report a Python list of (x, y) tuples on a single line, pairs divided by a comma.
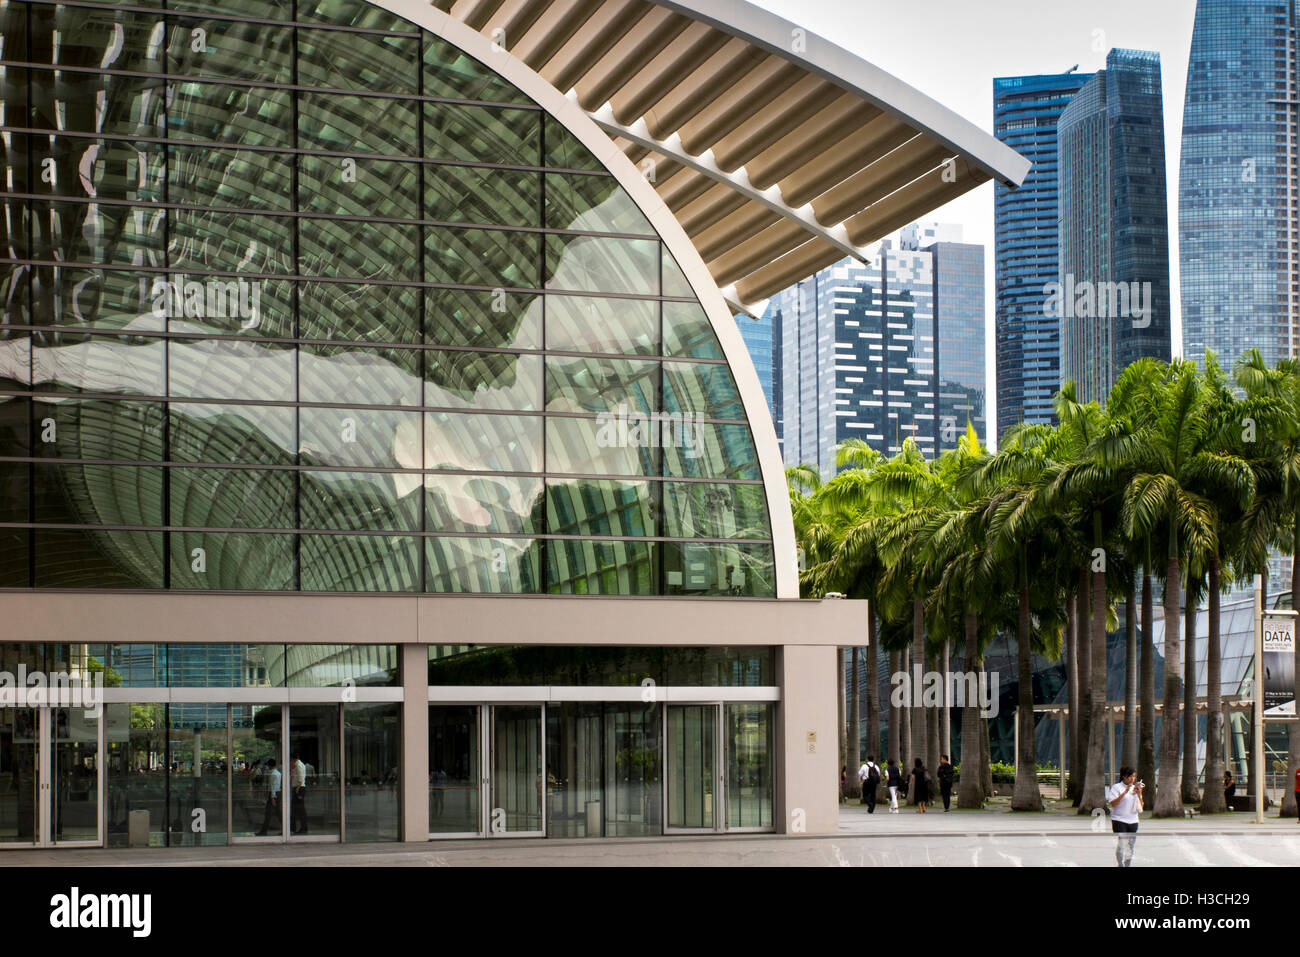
[(945, 781), (869, 774), (894, 780)]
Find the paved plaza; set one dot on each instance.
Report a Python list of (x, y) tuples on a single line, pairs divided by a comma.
[(994, 837)]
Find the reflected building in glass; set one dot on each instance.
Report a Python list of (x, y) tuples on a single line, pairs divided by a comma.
[(350, 373)]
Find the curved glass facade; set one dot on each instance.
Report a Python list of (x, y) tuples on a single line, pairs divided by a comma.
[(298, 296)]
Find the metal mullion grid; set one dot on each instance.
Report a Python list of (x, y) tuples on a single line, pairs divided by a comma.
[(297, 321), (660, 492), (167, 324), (423, 313), (543, 573), (31, 350), (226, 17)]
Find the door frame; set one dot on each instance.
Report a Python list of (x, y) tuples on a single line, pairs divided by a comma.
[(487, 728), (46, 780), (719, 768)]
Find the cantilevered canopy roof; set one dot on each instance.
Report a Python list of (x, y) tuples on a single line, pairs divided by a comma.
[(779, 152)]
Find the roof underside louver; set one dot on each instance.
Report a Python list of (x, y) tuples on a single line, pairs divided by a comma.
[(779, 152)]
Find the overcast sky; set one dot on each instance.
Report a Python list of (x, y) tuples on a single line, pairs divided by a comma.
[(951, 50)]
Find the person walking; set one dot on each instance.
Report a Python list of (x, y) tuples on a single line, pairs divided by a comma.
[(1229, 788), (921, 783), (945, 781), (272, 812), (1297, 794), (298, 795), (844, 784), (894, 781), (869, 774), (1125, 800)]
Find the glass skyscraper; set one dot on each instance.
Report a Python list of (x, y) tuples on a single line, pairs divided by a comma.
[(1027, 237), (1239, 243), (1114, 297)]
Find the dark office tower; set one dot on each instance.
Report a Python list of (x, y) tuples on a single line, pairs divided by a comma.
[(1025, 112), (1113, 297), (1238, 190)]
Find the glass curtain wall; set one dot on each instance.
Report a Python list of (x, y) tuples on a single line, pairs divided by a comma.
[(330, 306), (19, 772), (454, 769)]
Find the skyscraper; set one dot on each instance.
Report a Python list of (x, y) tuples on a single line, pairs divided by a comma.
[(1239, 246), (1026, 246), (884, 351), (762, 336), (1113, 298)]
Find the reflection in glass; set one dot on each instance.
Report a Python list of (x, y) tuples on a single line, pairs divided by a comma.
[(517, 768), (96, 429), (356, 501), (226, 434), (453, 770), (691, 754), (590, 447), (258, 780), (74, 747), (98, 559), (594, 204), (633, 762), (482, 443), (231, 369), (601, 385), (362, 563), (602, 264), (69, 362), (312, 776), (364, 187), (136, 739), (484, 318), (716, 568), (699, 388), (703, 510), (231, 561), (355, 374), (688, 332), (482, 380), (575, 567), (229, 498), (196, 747), (19, 773), (483, 565), (372, 749), (593, 507), (750, 742), (483, 503), (585, 324), (374, 438), (333, 666)]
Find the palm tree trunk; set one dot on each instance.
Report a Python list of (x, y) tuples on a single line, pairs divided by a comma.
[(1212, 798), (945, 720), (1169, 800), (873, 686), (855, 724), (905, 712), (1094, 780), (1288, 808), (1083, 622), (918, 740), (986, 753), (894, 720), (1025, 796), (1130, 749), (1146, 764), (1190, 793), (1072, 683), (932, 727), (970, 789)]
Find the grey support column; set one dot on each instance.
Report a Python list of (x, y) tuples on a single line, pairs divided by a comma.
[(415, 743)]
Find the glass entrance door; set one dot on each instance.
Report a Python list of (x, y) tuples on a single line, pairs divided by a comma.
[(455, 772), (691, 761), (517, 789), (50, 777)]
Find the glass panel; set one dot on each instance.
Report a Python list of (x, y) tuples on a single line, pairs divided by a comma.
[(483, 503), (227, 498), (482, 443), (98, 495), (232, 434), (232, 369), (495, 258), (372, 745), (20, 822), (351, 13), (358, 312), (359, 563), (593, 507), (564, 151), (750, 742), (582, 324), (136, 779), (357, 124), (68, 362), (601, 385), (482, 380), (453, 770), (574, 770), (354, 249), (222, 666), (719, 667), (483, 565), (230, 115), (688, 332), (72, 104), (244, 179), (594, 204), (576, 567), (97, 559), (333, 666), (478, 134), (222, 305), (450, 72), (516, 769), (196, 742), (357, 187), (15, 558), (15, 426), (96, 429), (359, 501), (593, 447), (222, 561), (355, 374), (691, 747), (711, 568), (599, 264), (633, 760), (230, 50), (312, 781), (99, 169), (701, 510), (367, 438), (74, 746), (489, 196), (98, 298), (713, 451), (484, 318), (697, 388), (674, 279), (358, 61), (257, 788), (95, 37)]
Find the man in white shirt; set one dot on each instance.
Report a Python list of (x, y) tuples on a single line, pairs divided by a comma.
[(272, 799), (1125, 800), (298, 795), (869, 774)]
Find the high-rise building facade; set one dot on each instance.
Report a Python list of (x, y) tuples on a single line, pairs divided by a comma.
[(762, 337), (1239, 245), (884, 351), (1026, 246), (1113, 299)]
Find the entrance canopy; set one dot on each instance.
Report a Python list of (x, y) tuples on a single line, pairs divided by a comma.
[(778, 151)]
